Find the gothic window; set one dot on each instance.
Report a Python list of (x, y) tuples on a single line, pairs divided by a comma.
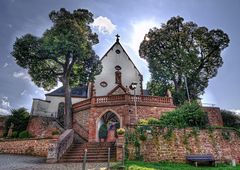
[(61, 112), (118, 77)]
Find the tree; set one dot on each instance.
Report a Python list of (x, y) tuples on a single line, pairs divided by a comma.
[(230, 119), (19, 118), (63, 53), (183, 49)]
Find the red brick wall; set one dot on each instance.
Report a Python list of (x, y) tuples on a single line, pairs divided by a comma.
[(179, 145), (125, 112), (37, 147), (90, 116)]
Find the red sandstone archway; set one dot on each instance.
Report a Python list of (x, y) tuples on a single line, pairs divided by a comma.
[(112, 121)]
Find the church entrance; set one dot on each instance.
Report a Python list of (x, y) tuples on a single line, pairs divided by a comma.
[(107, 126)]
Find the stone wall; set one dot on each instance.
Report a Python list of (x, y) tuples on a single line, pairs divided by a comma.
[(42, 127), (36, 147), (183, 142), (81, 118)]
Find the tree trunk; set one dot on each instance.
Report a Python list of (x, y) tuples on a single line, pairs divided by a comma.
[(68, 104)]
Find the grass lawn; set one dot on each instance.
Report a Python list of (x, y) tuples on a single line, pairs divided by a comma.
[(138, 165)]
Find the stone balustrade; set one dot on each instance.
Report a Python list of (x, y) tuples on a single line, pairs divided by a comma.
[(125, 99), (59, 146)]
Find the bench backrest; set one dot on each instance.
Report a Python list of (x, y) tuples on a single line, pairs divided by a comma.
[(198, 157)]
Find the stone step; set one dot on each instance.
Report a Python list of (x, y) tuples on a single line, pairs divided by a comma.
[(88, 156), (96, 152), (89, 160), (89, 153)]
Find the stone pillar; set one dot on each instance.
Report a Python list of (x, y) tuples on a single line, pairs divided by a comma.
[(120, 143), (52, 156)]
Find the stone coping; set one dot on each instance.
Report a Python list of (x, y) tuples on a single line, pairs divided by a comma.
[(23, 139)]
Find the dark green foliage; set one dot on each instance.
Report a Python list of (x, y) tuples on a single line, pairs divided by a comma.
[(14, 134), (182, 49), (156, 88), (103, 131), (230, 119), (24, 134), (188, 115), (19, 119), (63, 53)]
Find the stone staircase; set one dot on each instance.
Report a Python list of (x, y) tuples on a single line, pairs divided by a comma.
[(96, 152)]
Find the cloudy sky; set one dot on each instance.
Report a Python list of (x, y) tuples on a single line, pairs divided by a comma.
[(131, 20)]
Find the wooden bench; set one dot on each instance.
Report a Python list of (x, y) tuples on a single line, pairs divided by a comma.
[(197, 158)]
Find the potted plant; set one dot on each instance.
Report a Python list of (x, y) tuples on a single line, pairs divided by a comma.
[(103, 131), (120, 131)]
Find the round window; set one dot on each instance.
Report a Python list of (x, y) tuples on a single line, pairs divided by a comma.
[(118, 67), (118, 51), (103, 84)]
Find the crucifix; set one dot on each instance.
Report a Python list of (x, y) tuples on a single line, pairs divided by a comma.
[(117, 38)]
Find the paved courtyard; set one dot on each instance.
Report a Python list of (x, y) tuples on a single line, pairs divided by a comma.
[(20, 162)]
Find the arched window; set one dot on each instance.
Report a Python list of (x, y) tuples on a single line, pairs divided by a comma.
[(118, 77), (61, 112)]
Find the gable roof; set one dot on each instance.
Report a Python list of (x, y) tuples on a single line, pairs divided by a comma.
[(119, 86), (75, 92), (117, 42)]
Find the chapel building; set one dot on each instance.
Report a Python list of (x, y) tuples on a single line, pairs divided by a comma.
[(116, 98)]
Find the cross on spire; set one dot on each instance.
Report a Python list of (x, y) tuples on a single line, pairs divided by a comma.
[(117, 37)]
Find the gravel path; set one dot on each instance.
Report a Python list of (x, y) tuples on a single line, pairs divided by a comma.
[(20, 162)]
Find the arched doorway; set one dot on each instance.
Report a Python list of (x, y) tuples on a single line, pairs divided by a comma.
[(112, 122)]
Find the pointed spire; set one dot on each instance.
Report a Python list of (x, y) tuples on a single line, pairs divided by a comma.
[(117, 40)]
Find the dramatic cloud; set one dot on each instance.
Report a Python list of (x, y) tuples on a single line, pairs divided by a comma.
[(5, 106), (104, 25), (4, 112)]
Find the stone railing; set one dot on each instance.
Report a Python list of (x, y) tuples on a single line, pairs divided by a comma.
[(58, 147), (125, 99)]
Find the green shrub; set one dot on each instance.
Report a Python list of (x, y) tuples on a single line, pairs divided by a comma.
[(153, 121), (15, 134), (19, 118), (103, 132), (24, 134), (230, 119), (188, 115), (142, 122), (55, 132)]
